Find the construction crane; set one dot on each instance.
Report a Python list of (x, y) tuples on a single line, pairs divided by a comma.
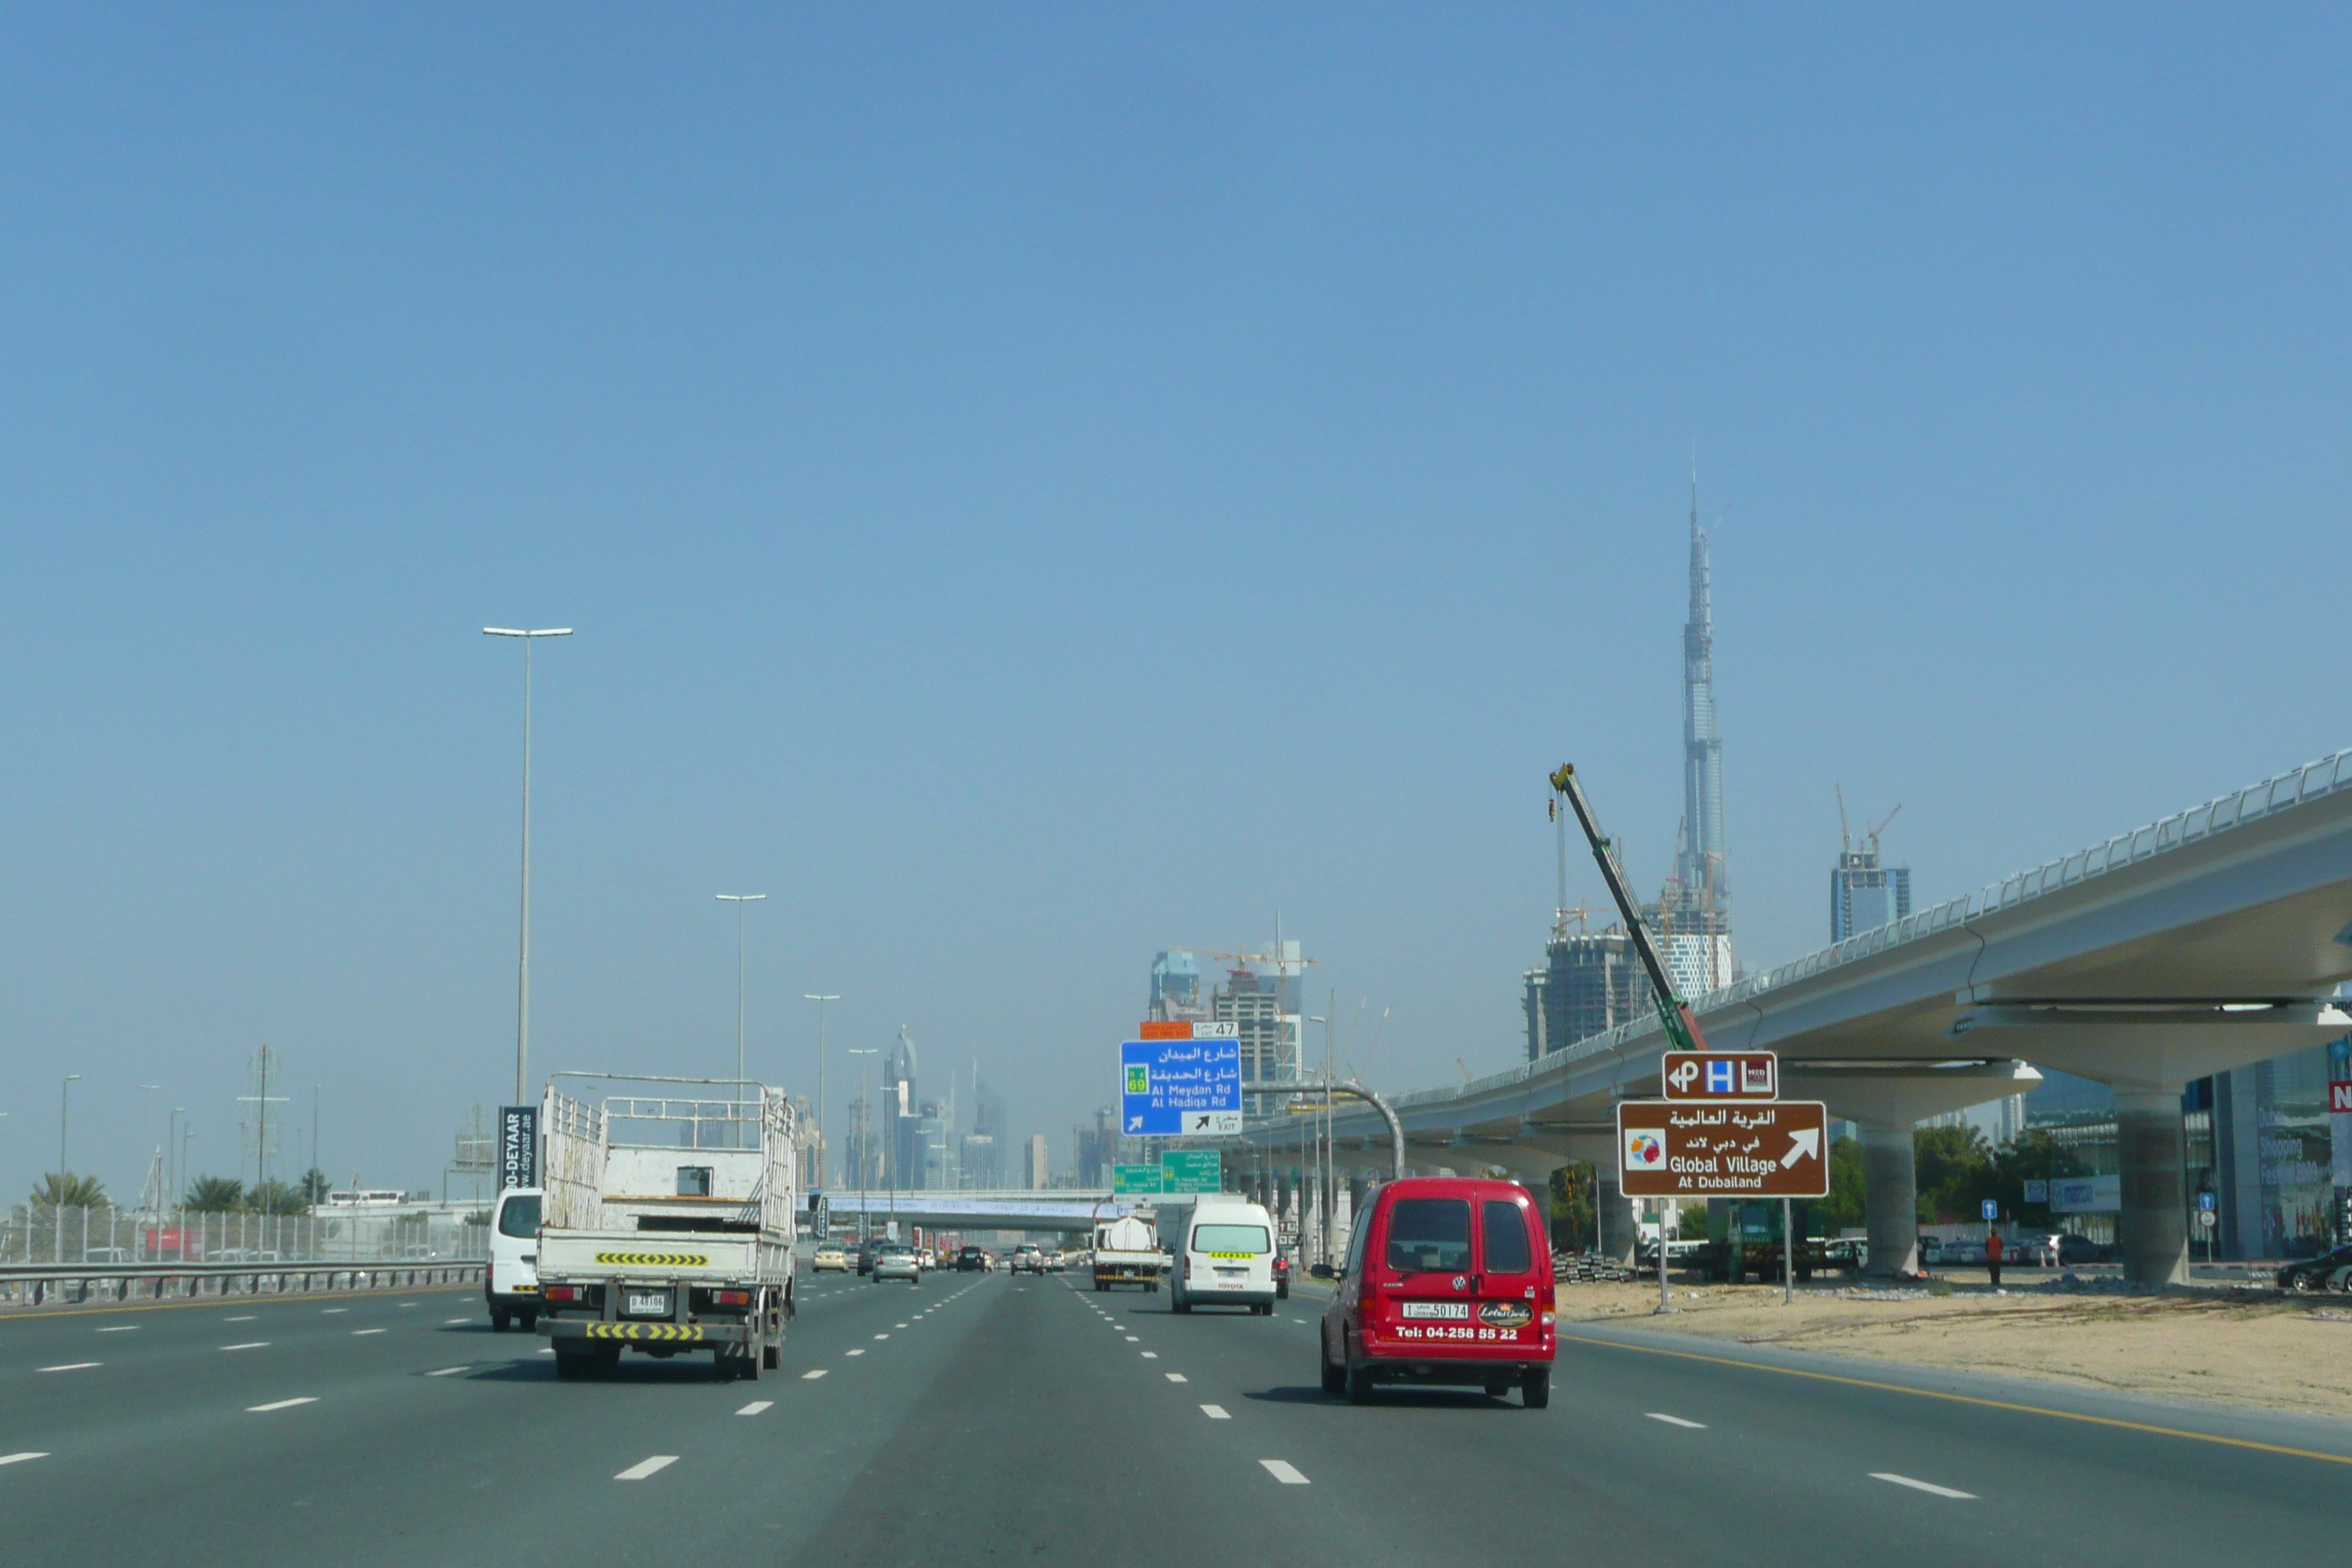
[(1870, 834), (1673, 1013)]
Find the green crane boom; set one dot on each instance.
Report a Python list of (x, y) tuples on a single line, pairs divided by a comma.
[(1673, 1013)]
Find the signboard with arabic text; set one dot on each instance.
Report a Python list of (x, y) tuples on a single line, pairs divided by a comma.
[(1680, 1150), (1170, 1088)]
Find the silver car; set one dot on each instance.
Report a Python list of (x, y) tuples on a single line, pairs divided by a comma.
[(896, 1260)]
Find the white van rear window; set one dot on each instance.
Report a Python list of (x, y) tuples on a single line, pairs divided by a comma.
[(1248, 1239), (519, 1216)]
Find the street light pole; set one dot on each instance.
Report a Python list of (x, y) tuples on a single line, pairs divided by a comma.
[(522, 968), (822, 1148), (865, 1143), (739, 901), (57, 1203)]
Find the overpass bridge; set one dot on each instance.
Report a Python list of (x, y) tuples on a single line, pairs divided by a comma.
[(2208, 941), (1072, 1211)]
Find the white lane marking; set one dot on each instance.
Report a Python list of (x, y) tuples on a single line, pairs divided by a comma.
[(881, 1336), (70, 1367), (446, 1321), (1215, 1413), (357, 1333), (756, 1406), (647, 1467), (818, 1373), (249, 1345), (448, 1372), (1176, 1377), (548, 1349), (247, 1319), (405, 1303), (1921, 1485), (19, 1458), (330, 1312), (898, 1325), (121, 1329), (282, 1404), (1674, 1420), (1133, 1340), (853, 1353), (1282, 1470), (1151, 1356)]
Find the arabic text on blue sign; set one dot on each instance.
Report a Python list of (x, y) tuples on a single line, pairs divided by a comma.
[(1162, 1080)]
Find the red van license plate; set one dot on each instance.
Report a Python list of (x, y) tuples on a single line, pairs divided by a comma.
[(1455, 1310)]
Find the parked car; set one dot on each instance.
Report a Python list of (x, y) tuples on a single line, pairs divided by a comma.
[(2320, 1273), (1447, 1281), (831, 1255)]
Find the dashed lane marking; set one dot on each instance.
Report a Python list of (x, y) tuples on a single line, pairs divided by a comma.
[(330, 1312), (360, 1333), (756, 1406), (448, 1372), (647, 1467), (1151, 1356), (19, 1458), (1928, 1487), (281, 1404), (119, 1329), (247, 1319), (70, 1367), (1216, 1413), (881, 1336), (249, 1345), (818, 1373), (446, 1321), (1133, 1340), (405, 1303), (1282, 1470), (854, 1352), (1675, 1420)]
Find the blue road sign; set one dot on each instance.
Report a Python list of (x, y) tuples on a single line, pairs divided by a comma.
[(1992, 1209), (1169, 1087)]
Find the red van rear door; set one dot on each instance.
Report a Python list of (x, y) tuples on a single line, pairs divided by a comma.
[(1427, 1256), (1513, 1273)]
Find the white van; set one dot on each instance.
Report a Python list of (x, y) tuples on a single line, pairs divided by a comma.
[(1222, 1254), (510, 1283)]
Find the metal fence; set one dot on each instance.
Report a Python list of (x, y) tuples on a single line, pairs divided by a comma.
[(36, 1234)]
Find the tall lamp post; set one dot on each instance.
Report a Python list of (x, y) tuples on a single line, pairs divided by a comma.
[(865, 1143), (522, 968), (739, 901), (821, 1148)]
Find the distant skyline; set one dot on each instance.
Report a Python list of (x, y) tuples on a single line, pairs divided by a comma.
[(1034, 489)]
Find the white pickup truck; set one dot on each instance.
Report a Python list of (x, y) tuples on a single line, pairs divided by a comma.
[(1127, 1252), (667, 1227)]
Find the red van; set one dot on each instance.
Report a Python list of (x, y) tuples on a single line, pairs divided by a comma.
[(1447, 1282)]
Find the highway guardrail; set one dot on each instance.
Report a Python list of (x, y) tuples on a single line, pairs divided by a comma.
[(26, 1284)]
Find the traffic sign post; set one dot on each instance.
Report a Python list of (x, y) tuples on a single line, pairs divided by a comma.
[(1992, 1210), (1173, 1087), (1778, 1149), (1719, 1075)]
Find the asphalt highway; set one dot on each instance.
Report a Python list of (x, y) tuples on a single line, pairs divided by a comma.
[(982, 1418)]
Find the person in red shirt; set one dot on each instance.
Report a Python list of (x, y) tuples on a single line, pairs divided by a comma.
[(1992, 1257)]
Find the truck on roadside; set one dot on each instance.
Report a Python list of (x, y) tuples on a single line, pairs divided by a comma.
[(667, 1213), (1127, 1252)]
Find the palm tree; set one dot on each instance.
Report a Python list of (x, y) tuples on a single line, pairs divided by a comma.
[(70, 1191), (274, 1196), (216, 1194)]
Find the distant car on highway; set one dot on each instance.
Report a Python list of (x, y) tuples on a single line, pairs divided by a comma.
[(2323, 1272), (1028, 1258), (971, 1260), (109, 1257), (510, 1275), (896, 1260), (865, 1250), (833, 1256), (1055, 1260)]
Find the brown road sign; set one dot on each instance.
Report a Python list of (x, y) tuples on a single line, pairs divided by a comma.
[(1681, 1149), (1719, 1075)]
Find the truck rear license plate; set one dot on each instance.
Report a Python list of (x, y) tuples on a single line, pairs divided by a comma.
[(1434, 1309), (655, 1305)]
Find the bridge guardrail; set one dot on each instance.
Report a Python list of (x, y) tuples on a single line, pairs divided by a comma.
[(24, 1285)]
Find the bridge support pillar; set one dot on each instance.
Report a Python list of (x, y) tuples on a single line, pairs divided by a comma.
[(2152, 1230), (1890, 1198), (1619, 1234)]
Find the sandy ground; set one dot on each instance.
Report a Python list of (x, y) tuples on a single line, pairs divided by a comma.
[(2227, 1346)]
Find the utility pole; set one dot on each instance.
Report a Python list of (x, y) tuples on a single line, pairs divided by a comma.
[(522, 967), (739, 901)]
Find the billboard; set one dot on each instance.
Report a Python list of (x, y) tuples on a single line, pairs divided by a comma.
[(1677, 1150), (518, 1146)]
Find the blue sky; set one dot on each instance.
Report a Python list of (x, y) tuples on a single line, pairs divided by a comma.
[(1034, 488)]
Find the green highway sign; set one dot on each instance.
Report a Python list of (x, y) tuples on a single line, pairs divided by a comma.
[(1189, 1171), (1134, 1181)]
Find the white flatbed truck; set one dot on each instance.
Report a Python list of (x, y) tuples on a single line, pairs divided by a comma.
[(667, 1223)]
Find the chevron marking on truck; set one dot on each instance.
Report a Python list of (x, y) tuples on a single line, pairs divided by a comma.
[(654, 1259), (691, 1333)]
